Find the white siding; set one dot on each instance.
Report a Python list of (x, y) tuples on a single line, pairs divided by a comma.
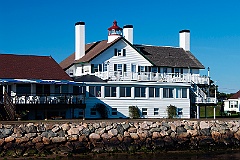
[(132, 57)]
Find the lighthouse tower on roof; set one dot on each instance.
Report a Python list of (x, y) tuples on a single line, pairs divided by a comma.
[(114, 32)]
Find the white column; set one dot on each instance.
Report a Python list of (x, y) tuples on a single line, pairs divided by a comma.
[(198, 112), (214, 112)]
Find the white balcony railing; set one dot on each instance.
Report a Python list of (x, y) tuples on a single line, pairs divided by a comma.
[(206, 100), (150, 76)]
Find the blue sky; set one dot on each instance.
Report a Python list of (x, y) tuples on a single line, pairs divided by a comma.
[(46, 27)]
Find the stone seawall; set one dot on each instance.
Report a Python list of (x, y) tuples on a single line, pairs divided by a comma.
[(40, 139)]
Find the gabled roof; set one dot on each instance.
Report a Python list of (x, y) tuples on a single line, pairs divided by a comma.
[(158, 56), (30, 67), (236, 95), (91, 51), (170, 57)]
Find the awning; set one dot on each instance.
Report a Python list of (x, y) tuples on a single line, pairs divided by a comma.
[(37, 81)]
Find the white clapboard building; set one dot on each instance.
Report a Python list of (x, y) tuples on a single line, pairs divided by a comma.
[(119, 74)]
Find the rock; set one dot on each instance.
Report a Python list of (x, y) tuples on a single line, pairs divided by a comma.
[(193, 133), (94, 136), (126, 134), (56, 128), (31, 128), (46, 140), (100, 131), (156, 135), (109, 127), (180, 129), (41, 128), (65, 126), (72, 138), (37, 139), (9, 139), (125, 126), (1, 142), (155, 130), (205, 132), (58, 139), (113, 132), (134, 135), (61, 133), (73, 131), (96, 125), (85, 131), (120, 129), (106, 136), (132, 130), (31, 135), (21, 140), (204, 125)]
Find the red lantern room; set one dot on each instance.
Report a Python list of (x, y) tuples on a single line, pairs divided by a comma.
[(115, 29), (114, 32)]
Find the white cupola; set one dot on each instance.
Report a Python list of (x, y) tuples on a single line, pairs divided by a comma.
[(114, 32)]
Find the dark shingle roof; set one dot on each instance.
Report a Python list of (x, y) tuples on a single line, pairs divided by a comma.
[(170, 57), (88, 78), (158, 56), (31, 67), (236, 95)]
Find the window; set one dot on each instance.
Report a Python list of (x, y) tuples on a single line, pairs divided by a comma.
[(94, 91), (110, 91), (23, 89), (233, 104), (125, 91), (79, 89), (140, 91), (144, 111), (70, 72), (93, 111), (181, 92), (156, 111), (120, 67), (153, 92), (105, 67), (154, 69), (114, 111), (141, 68), (165, 70), (167, 92), (133, 68), (119, 52)]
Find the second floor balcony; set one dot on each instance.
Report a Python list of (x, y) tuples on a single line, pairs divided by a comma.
[(151, 76)]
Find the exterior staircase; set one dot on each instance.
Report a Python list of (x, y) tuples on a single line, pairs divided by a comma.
[(201, 96), (7, 109)]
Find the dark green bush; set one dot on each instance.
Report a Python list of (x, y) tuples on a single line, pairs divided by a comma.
[(102, 110), (171, 111), (134, 112)]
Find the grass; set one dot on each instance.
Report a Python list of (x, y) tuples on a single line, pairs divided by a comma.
[(210, 112)]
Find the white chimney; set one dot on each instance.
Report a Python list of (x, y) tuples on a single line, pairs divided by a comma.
[(184, 39), (79, 40), (128, 33)]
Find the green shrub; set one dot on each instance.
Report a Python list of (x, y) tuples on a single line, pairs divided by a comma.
[(134, 112), (171, 111), (102, 110)]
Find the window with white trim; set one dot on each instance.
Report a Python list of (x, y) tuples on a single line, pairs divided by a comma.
[(156, 111), (125, 91), (181, 92), (119, 52), (154, 92), (140, 91), (110, 91), (168, 92), (114, 111), (144, 111), (94, 91), (233, 104)]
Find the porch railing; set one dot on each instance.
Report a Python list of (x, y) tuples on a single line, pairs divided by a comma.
[(48, 99), (151, 76)]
